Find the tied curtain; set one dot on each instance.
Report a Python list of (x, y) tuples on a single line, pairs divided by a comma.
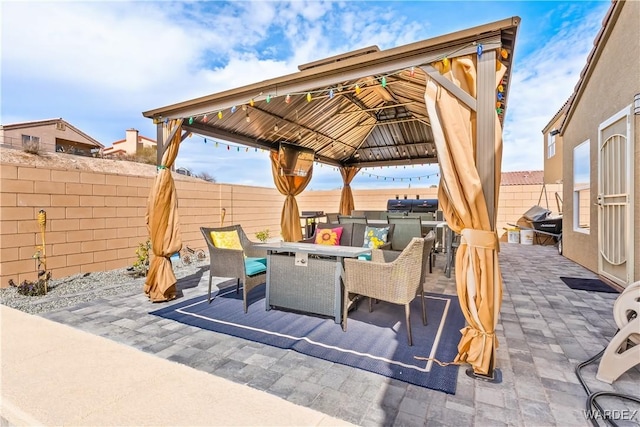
[(461, 198), (163, 223), (346, 196), (289, 186)]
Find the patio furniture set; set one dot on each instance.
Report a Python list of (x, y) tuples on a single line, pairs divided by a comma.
[(324, 279)]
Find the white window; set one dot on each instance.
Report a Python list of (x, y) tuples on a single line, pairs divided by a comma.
[(551, 143), (582, 188)]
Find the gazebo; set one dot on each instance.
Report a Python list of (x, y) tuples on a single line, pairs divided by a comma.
[(441, 100)]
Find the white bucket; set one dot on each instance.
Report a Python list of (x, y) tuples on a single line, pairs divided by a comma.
[(526, 237), (513, 235)]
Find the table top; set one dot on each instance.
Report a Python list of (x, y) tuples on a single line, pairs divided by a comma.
[(312, 248)]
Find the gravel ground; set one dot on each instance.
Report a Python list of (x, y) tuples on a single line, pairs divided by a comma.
[(81, 288)]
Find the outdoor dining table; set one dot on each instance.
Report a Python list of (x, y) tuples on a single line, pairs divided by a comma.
[(307, 277)]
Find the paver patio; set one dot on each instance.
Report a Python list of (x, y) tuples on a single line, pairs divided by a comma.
[(544, 330)]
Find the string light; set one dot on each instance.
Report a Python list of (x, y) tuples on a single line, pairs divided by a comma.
[(410, 178)]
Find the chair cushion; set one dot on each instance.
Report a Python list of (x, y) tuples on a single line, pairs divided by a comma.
[(329, 236), (253, 267), (365, 257), (226, 239), (375, 237), (262, 261)]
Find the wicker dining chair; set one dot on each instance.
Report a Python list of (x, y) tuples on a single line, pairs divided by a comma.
[(396, 282), (406, 229), (247, 266)]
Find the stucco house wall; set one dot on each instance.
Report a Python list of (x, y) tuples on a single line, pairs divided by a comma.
[(611, 86), (553, 163)]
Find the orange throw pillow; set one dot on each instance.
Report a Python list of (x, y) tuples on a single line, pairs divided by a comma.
[(329, 236)]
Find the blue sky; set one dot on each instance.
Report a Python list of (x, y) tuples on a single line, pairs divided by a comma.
[(100, 64)]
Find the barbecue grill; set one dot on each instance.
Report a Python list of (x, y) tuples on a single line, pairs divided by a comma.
[(399, 205), (412, 205)]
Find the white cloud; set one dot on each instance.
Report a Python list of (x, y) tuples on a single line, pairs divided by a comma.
[(100, 64)]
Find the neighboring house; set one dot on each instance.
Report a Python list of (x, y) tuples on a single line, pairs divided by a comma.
[(131, 145), (49, 135), (553, 147), (521, 178), (184, 171), (601, 153)]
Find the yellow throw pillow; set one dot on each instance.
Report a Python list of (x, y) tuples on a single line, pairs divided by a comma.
[(226, 239)]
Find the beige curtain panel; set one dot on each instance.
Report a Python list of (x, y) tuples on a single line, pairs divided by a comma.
[(289, 186), (163, 224), (461, 197), (346, 196)]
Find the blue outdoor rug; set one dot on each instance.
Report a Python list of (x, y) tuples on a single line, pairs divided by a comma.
[(375, 342)]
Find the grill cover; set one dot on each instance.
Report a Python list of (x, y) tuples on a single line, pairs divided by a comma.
[(424, 205), (399, 205), (412, 205)]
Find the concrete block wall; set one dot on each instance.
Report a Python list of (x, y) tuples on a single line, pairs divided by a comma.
[(96, 220)]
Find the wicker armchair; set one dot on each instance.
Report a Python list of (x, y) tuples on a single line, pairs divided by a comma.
[(397, 282), (235, 263)]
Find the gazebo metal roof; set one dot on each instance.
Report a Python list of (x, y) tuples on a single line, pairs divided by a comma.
[(364, 108)]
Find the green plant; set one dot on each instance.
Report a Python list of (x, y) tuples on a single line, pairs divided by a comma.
[(32, 289), (32, 147), (263, 235), (141, 265)]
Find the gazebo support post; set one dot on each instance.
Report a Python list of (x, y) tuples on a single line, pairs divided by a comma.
[(160, 148), (486, 158)]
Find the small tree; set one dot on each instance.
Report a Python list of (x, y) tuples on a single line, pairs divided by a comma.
[(141, 265), (206, 176)]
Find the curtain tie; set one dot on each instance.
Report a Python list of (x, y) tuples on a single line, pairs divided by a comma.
[(159, 167), (481, 239)]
